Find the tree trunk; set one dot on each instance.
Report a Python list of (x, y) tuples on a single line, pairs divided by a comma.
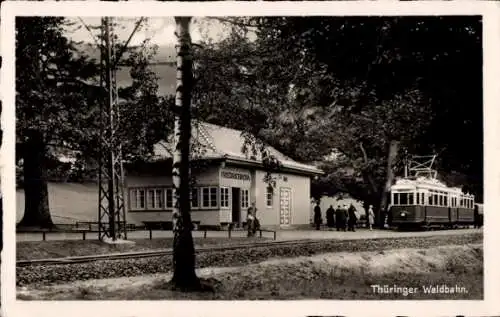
[(36, 196), (184, 277), (389, 177)]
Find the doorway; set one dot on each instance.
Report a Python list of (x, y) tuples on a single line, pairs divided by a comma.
[(236, 205), (285, 206)]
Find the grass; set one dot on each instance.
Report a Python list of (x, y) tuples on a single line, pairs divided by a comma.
[(334, 276), (346, 287), (31, 250)]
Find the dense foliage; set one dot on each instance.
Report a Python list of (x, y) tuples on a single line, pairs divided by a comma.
[(58, 97), (341, 90)]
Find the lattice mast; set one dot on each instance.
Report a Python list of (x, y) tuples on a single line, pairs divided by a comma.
[(112, 214), (417, 166)]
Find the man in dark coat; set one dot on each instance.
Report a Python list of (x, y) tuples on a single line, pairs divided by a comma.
[(476, 216), (330, 220), (317, 216), (340, 218), (352, 218)]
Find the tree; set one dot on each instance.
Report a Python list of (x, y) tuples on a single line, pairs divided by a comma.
[(53, 94), (335, 84), (57, 106), (184, 276)]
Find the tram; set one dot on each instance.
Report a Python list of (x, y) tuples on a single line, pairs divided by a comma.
[(422, 200)]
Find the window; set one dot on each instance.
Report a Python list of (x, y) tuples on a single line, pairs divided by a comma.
[(209, 197), (224, 197), (269, 196), (151, 199), (418, 198), (445, 201), (169, 193), (395, 199), (410, 199), (403, 199), (244, 198), (155, 198), (195, 198), (422, 200), (441, 200), (205, 197), (137, 199), (213, 197), (435, 200)]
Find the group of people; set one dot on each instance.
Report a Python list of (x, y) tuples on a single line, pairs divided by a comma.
[(342, 218)]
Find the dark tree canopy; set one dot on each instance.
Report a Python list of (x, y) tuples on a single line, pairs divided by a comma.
[(315, 84)]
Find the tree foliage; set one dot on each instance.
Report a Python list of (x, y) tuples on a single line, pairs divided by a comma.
[(57, 104), (315, 93)]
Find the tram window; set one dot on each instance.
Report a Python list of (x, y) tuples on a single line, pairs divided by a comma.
[(445, 201), (441, 200), (436, 200), (423, 199), (403, 199), (395, 199), (418, 198), (410, 199), (430, 200)]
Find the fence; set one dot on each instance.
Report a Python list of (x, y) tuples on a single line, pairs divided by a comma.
[(86, 227)]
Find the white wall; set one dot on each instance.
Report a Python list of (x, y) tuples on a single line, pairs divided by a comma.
[(300, 199), (335, 201), (68, 202)]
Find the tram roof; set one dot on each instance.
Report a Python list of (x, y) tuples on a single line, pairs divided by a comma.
[(425, 183)]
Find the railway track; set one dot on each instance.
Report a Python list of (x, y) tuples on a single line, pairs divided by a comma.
[(156, 253)]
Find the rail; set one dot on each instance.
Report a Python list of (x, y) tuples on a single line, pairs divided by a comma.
[(157, 253)]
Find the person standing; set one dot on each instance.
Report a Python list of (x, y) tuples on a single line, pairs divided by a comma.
[(371, 217), (476, 216), (330, 214), (344, 217), (317, 216), (352, 218), (252, 221), (338, 218)]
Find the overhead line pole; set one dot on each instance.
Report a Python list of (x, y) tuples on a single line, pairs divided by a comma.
[(111, 173)]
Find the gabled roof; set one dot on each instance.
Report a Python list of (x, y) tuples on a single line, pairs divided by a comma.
[(210, 141)]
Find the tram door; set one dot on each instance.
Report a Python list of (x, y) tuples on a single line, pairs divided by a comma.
[(236, 204)]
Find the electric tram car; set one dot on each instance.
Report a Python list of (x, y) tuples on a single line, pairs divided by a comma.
[(424, 201)]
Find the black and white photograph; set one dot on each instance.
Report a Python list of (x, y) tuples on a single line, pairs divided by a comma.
[(262, 157)]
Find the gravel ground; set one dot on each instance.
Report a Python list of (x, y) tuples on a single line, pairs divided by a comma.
[(343, 275), (46, 275), (31, 250)]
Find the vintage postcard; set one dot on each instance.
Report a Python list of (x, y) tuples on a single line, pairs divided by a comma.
[(254, 158)]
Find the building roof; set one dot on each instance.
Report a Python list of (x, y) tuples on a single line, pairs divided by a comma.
[(210, 141)]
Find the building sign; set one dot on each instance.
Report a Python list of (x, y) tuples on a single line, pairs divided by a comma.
[(234, 175)]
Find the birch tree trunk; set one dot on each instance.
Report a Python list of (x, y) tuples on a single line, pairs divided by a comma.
[(184, 277), (389, 177)]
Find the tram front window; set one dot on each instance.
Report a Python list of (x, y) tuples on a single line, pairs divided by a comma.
[(403, 199)]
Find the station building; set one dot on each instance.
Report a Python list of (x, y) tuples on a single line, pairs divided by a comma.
[(226, 182)]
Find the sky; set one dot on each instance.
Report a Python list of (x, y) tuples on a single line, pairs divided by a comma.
[(160, 30)]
